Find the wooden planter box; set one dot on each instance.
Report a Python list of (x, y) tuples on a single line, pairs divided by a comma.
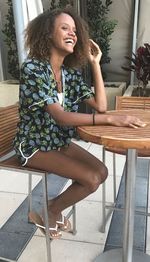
[(130, 89), (114, 89), (9, 93)]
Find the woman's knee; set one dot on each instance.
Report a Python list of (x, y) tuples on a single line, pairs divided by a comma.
[(104, 173), (96, 178)]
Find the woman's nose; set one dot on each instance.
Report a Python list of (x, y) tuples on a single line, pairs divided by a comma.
[(72, 33)]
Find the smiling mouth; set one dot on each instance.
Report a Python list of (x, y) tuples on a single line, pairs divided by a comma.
[(70, 41)]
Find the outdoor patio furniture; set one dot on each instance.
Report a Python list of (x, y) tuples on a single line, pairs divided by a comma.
[(9, 118), (122, 103), (131, 140)]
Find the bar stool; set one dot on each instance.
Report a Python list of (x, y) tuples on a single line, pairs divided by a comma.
[(8, 161), (122, 103)]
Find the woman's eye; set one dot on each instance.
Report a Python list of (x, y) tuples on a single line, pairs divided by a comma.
[(64, 28)]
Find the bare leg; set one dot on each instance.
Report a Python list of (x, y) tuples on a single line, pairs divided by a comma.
[(75, 163)]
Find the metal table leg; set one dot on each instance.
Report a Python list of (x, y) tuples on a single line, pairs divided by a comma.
[(127, 254)]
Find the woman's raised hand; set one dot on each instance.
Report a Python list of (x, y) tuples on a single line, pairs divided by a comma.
[(95, 53)]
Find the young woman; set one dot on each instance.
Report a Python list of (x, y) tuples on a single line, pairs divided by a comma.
[(51, 88)]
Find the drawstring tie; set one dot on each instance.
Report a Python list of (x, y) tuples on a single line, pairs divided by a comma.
[(26, 158)]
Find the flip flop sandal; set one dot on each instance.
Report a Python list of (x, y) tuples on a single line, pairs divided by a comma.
[(36, 219), (64, 224)]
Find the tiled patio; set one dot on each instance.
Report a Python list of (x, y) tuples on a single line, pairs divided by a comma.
[(88, 242)]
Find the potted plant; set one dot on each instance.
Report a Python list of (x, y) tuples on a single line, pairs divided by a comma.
[(140, 64), (10, 40), (9, 89), (101, 27), (101, 30), (60, 4)]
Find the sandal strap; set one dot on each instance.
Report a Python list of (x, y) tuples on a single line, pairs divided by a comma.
[(62, 222), (50, 228)]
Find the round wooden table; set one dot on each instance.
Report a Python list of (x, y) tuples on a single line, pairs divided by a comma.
[(131, 139)]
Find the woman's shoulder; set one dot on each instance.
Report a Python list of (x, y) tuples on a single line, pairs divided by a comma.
[(33, 63), (72, 71)]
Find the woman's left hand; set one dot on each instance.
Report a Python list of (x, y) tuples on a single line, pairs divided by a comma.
[(95, 53)]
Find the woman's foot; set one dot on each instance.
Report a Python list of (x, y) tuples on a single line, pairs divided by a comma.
[(62, 222), (54, 233)]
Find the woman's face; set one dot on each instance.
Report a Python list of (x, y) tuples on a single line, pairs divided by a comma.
[(64, 35)]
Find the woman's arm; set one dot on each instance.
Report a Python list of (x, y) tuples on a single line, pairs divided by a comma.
[(99, 102), (64, 118)]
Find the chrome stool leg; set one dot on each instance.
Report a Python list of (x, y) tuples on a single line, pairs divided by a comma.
[(74, 230), (103, 198), (45, 202), (73, 213), (29, 194), (104, 206), (114, 178)]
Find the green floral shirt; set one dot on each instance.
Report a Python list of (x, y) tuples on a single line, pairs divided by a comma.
[(37, 130)]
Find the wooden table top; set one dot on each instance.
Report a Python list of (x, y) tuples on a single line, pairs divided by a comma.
[(119, 137)]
